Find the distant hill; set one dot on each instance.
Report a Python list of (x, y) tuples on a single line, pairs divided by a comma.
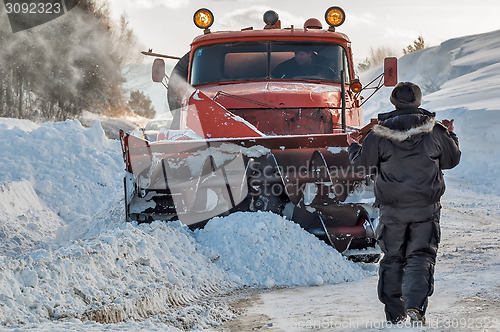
[(460, 79), (461, 73)]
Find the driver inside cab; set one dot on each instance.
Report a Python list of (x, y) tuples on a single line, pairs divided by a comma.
[(304, 63)]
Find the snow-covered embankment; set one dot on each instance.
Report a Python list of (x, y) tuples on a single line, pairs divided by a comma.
[(460, 80)]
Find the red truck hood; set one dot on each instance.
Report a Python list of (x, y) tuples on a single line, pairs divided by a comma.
[(274, 94)]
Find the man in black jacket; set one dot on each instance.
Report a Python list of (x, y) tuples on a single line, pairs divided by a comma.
[(409, 148)]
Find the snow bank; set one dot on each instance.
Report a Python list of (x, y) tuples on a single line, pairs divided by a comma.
[(126, 273), (65, 251), (264, 249), (26, 125), (460, 79), (74, 171), (25, 220)]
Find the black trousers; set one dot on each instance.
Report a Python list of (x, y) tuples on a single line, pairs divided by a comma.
[(406, 273)]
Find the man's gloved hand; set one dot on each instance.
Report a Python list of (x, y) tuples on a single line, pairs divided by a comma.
[(353, 137), (449, 125)]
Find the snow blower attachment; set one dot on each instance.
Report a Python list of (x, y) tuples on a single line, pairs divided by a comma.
[(255, 128)]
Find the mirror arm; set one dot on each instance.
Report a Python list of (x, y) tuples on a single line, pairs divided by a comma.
[(378, 87), (150, 53)]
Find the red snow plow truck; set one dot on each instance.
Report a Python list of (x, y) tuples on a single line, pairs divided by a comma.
[(260, 119)]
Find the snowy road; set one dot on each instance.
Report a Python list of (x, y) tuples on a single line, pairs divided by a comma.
[(467, 282)]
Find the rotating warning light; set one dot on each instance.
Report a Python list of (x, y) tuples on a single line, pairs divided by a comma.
[(335, 16), (203, 18)]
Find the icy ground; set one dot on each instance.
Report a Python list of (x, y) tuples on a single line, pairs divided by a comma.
[(467, 282), (68, 261)]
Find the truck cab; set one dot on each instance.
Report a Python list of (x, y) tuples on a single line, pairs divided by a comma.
[(284, 81)]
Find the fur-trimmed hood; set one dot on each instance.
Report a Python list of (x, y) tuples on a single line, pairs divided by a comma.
[(407, 125)]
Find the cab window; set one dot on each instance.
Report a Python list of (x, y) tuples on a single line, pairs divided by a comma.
[(272, 60)]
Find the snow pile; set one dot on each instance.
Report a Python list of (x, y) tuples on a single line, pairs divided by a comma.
[(127, 272), (74, 171), (26, 125), (66, 252), (25, 220), (460, 79), (264, 249)]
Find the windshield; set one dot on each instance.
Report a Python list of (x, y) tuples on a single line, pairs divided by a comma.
[(271, 60)]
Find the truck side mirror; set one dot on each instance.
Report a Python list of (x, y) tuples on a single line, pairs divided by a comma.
[(390, 71), (158, 70)]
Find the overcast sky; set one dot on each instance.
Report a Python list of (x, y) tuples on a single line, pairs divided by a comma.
[(167, 26)]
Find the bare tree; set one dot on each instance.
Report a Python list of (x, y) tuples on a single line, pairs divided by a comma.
[(418, 45), (59, 69), (141, 105)]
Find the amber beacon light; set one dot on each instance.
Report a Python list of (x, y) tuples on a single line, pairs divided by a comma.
[(335, 16), (203, 18)]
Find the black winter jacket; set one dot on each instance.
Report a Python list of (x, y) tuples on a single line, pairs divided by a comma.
[(409, 149)]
